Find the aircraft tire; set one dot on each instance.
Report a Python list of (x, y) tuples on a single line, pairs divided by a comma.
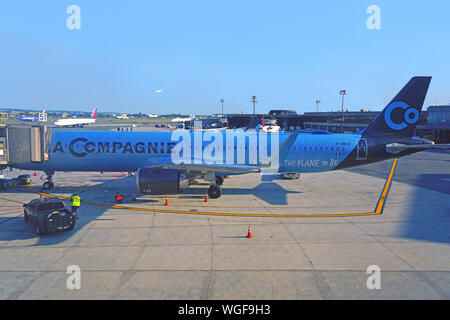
[(214, 192), (219, 180), (48, 185)]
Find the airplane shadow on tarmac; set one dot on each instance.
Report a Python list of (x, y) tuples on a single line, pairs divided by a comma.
[(270, 192), (429, 219), (425, 218), (427, 215), (14, 228)]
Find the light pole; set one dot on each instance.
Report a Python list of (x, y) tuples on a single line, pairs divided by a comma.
[(317, 105), (222, 100), (342, 93), (254, 103)]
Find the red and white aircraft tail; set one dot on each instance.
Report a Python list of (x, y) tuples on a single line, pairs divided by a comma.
[(77, 122)]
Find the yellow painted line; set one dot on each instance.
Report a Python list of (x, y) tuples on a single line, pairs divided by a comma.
[(377, 211), (384, 193)]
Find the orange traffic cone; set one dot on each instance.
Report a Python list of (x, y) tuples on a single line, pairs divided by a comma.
[(167, 201), (249, 234), (206, 198)]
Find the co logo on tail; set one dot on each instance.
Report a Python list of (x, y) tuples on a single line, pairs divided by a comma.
[(407, 115)]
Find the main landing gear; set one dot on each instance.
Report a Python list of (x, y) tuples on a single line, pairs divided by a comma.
[(219, 180), (49, 183), (214, 191)]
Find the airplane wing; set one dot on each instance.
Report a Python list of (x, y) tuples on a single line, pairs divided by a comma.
[(235, 168), (212, 167)]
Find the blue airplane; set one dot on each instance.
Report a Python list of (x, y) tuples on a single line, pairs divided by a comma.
[(155, 156), (29, 119)]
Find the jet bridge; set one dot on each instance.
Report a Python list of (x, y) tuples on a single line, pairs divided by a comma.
[(23, 144)]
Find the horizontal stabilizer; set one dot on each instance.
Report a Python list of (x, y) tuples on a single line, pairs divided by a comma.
[(395, 148)]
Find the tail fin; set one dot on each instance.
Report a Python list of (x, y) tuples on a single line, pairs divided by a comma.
[(402, 114), (94, 114)]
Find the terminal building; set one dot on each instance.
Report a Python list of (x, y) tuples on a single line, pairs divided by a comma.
[(331, 121), (433, 123), (439, 123)]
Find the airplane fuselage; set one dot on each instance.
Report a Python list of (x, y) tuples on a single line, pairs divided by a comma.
[(73, 122), (129, 151)]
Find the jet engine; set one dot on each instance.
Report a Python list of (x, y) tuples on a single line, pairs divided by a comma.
[(160, 181)]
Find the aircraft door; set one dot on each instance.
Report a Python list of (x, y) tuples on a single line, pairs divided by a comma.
[(362, 149)]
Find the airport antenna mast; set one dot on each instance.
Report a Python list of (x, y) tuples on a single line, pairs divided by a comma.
[(254, 101)]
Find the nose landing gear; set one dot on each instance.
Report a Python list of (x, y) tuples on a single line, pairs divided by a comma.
[(49, 183)]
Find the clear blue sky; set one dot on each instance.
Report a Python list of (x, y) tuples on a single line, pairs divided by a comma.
[(287, 53)]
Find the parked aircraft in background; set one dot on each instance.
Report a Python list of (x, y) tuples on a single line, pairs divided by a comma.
[(31, 118), (77, 122), (183, 119), (153, 154), (122, 116), (271, 128)]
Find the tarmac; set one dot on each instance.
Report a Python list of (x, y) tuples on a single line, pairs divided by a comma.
[(142, 251)]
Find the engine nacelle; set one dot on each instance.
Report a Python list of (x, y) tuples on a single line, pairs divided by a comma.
[(160, 181)]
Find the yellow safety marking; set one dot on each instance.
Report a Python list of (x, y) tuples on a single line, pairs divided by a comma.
[(385, 191), (378, 210)]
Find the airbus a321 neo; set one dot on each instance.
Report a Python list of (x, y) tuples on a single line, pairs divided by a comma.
[(167, 162)]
